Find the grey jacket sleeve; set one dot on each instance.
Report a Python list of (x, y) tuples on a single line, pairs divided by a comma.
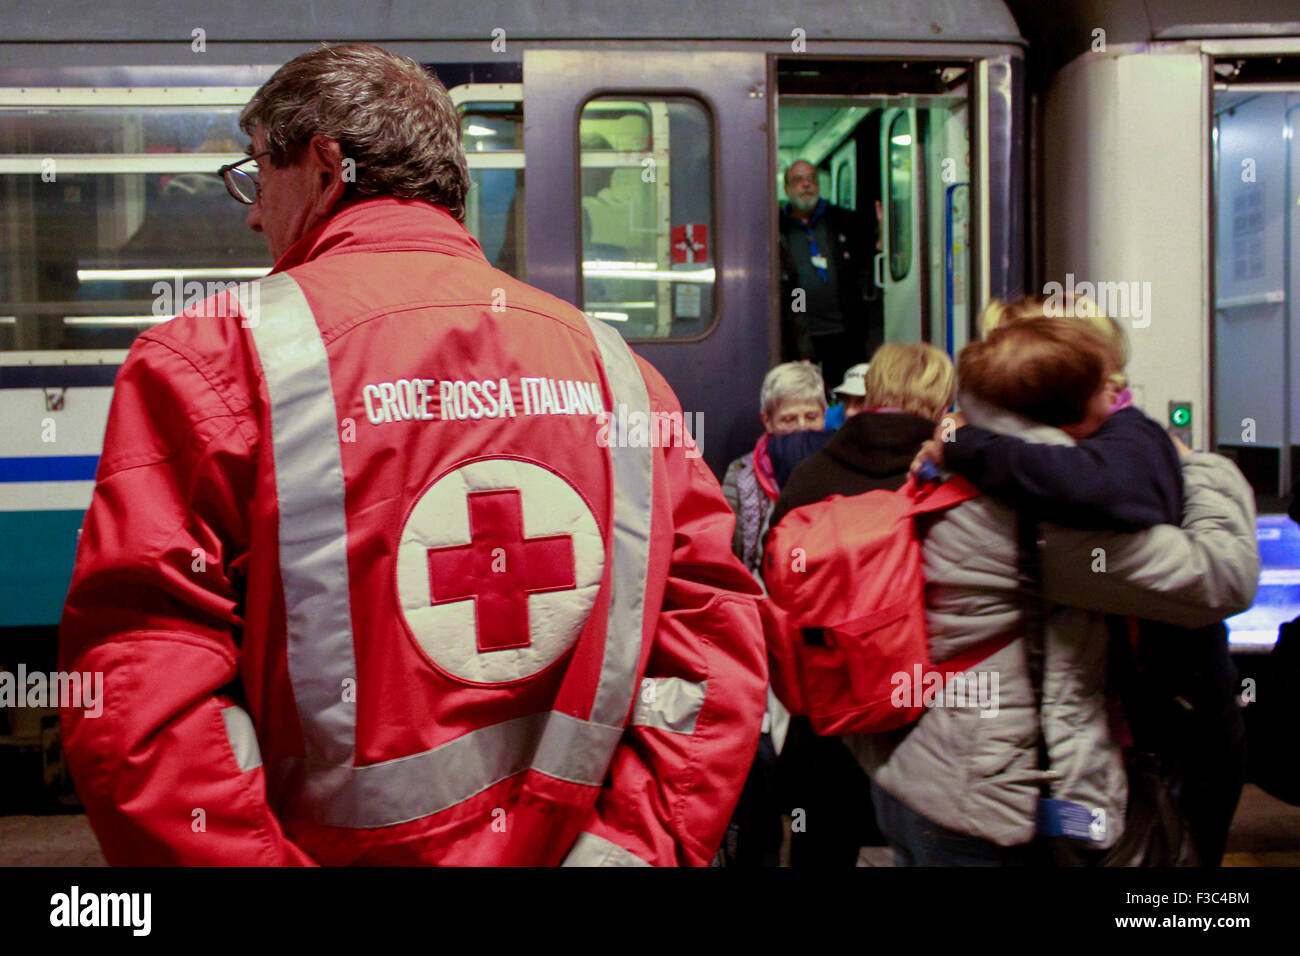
[(731, 491), (1191, 576)]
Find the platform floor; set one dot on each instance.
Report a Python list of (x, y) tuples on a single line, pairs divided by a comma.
[(1266, 832)]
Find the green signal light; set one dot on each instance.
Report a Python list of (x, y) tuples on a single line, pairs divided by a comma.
[(1181, 417)]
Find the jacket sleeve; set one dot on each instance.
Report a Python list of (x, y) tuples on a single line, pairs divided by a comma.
[(731, 493), (167, 762), (1117, 480), (677, 775), (1192, 576)]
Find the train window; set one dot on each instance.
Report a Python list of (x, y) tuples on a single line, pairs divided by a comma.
[(119, 130), (114, 217), (493, 134), (101, 257), (647, 222), (845, 166), (900, 196), (1255, 400), (1256, 322), (492, 127)]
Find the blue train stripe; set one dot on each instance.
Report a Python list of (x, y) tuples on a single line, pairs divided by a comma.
[(49, 468), (58, 376)]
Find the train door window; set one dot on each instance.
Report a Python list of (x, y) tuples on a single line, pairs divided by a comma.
[(908, 270), (113, 213), (844, 175), (492, 130), (648, 256), (1256, 332), (1257, 257), (899, 177)]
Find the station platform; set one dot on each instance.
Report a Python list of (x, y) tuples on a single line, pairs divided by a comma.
[(1265, 832)]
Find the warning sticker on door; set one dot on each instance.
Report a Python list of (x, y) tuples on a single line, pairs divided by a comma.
[(691, 243), (686, 300)]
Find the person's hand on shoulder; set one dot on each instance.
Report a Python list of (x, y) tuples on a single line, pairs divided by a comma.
[(930, 451), (946, 430), (933, 449)]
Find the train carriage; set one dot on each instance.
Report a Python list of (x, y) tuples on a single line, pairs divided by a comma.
[(629, 158)]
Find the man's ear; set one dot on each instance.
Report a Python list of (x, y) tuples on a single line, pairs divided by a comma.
[(326, 159)]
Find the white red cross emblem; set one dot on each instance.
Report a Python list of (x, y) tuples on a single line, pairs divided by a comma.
[(498, 566)]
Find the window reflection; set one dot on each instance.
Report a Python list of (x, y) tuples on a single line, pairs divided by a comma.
[(646, 187)]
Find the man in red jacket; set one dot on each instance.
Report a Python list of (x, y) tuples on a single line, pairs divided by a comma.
[(369, 573)]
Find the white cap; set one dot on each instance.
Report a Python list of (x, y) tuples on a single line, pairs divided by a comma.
[(855, 381)]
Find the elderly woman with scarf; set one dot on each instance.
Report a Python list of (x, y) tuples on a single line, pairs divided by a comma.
[(793, 399)]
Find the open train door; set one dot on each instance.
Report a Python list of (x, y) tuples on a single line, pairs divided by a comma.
[(630, 218)]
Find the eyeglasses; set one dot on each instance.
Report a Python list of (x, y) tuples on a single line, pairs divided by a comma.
[(241, 185)]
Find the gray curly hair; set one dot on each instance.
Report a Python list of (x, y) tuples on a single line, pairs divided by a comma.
[(388, 114)]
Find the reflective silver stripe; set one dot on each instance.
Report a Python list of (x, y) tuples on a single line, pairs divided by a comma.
[(242, 737), (576, 750), (410, 788), (674, 704), (313, 522), (592, 850), (581, 750), (630, 555)]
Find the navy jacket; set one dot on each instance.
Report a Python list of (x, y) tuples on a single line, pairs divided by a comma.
[(870, 451), (1125, 477)]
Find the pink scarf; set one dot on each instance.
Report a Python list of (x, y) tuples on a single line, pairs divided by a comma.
[(763, 468)]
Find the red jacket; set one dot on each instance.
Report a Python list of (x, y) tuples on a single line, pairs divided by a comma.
[(376, 508)]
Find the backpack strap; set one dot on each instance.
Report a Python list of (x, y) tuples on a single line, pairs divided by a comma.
[(939, 497), (1033, 616), (976, 653)]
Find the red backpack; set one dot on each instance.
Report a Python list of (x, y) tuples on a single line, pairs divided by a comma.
[(844, 576)]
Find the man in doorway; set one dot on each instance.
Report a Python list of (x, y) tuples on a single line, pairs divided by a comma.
[(826, 257)]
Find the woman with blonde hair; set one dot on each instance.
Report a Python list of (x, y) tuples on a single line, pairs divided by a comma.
[(1000, 314), (889, 412)]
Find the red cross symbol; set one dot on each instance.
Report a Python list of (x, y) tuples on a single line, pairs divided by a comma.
[(689, 242), (499, 568)]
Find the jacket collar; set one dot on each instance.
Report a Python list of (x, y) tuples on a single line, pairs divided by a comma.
[(879, 443), (383, 224), (820, 208), (1003, 422)]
